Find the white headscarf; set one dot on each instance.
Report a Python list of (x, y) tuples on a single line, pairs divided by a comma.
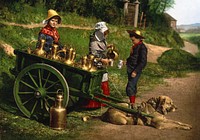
[(101, 26)]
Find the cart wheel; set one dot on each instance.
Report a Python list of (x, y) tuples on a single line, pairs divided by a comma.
[(36, 87)]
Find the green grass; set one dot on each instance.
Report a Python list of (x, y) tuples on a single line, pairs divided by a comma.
[(13, 126), (26, 14)]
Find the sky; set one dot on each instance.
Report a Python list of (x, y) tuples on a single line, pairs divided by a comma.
[(185, 11)]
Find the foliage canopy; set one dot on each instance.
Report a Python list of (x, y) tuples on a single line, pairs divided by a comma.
[(110, 11)]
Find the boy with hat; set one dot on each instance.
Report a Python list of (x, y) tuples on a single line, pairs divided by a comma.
[(49, 33), (135, 63)]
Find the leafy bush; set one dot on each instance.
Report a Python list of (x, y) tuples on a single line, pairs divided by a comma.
[(177, 60)]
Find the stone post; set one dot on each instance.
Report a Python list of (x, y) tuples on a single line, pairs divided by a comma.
[(125, 7), (136, 12)]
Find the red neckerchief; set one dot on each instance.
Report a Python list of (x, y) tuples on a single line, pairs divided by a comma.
[(134, 46), (48, 30)]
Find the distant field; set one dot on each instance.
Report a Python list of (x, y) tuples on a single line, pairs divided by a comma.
[(191, 37), (187, 35)]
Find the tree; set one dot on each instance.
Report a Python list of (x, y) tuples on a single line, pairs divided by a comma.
[(153, 10), (159, 6)]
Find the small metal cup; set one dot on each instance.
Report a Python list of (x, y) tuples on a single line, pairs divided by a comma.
[(111, 61), (120, 64)]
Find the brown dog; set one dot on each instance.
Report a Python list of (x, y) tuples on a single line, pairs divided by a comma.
[(157, 107)]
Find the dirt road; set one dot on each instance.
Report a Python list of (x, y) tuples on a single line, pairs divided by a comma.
[(191, 48), (186, 95)]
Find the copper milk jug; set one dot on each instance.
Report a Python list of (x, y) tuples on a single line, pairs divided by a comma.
[(58, 114)]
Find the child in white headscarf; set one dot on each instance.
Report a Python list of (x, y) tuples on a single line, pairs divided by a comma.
[(98, 48), (98, 44)]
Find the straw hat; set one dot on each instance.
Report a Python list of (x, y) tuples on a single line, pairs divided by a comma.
[(135, 33), (52, 13)]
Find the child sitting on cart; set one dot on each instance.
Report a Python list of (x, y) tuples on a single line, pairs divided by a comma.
[(49, 32)]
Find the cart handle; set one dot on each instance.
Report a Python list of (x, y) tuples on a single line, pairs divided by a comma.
[(128, 110)]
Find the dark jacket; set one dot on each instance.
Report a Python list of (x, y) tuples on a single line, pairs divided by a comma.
[(138, 59)]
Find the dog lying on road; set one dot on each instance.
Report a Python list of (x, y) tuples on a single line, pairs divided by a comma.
[(156, 107)]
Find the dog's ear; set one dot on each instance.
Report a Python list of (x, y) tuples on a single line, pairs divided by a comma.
[(161, 105), (153, 102)]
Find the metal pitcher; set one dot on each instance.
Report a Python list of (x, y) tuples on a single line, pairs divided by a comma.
[(40, 50), (58, 114)]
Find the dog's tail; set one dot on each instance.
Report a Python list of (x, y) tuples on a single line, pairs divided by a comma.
[(86, 118)]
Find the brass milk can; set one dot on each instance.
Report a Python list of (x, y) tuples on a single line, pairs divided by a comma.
[(90, 61), (54, 52), (40, 51), (58, 114), (112, 53), (70, 56), (84, 63)]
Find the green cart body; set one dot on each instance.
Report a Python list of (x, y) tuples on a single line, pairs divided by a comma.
[(39, 80)]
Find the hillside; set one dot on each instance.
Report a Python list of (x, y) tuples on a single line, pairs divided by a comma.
[(154, 51), (190, 27)]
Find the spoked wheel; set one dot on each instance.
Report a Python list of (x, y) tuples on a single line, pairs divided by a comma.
[(36, 88)]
